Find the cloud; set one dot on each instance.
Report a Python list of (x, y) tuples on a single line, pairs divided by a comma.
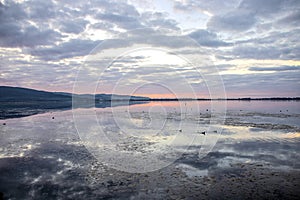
[(275, 45), (72, 48), (279, 68), (158, 20), (11, 12), (291, 20), (263, 84), (232, 21), (76, 26), (262, 8), (16, 31), (123, 15), (40, 10), (256, 52), (207, 38), (12, 35), (149, 37), (216, 7), (124, 22), (36, 33), (254, 14)]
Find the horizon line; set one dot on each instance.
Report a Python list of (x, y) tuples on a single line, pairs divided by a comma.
[(173, 99)]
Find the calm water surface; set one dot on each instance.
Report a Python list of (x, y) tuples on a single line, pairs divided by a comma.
[(83, 153)]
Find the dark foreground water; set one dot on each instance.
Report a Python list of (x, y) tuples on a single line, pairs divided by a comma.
[(158, 150)]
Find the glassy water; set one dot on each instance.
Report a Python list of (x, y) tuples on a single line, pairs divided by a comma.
[(96, 152)]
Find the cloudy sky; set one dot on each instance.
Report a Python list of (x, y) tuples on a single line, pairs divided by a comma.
[(152, 47)]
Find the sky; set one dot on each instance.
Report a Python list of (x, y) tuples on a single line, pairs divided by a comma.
[(156, 48)]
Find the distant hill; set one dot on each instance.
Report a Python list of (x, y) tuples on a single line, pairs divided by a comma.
[(18, 94), (20, 102)]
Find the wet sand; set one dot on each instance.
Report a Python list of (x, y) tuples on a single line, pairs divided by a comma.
[(239, 181), (256, 157), (187, 178)]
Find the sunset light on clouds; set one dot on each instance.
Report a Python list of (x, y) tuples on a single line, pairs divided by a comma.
[(149, 99), (253, 44)]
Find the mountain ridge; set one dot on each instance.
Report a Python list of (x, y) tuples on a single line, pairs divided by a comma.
[(20, 94)]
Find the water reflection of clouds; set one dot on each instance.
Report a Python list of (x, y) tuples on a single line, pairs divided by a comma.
[(40, 154), (250, 133), (276, 153)]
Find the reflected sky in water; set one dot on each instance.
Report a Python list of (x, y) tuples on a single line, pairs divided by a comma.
[(46, 148)]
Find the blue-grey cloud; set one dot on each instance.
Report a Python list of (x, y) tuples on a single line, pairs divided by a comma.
[(122, 21), (158, 20), (279, 68), (16, 31), (72, 48), (12, 35), (213, 6), (233, 21), (255, 13), (258, 7), (281, 83), (290, 20), (206, 38), (75, 26), (40, 10)]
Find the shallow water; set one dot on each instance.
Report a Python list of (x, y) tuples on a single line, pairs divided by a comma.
[(92, 153)]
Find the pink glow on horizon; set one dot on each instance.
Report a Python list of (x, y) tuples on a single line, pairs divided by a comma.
[(230, 94)]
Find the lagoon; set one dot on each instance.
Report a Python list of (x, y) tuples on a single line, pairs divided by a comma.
[(186, 149)]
